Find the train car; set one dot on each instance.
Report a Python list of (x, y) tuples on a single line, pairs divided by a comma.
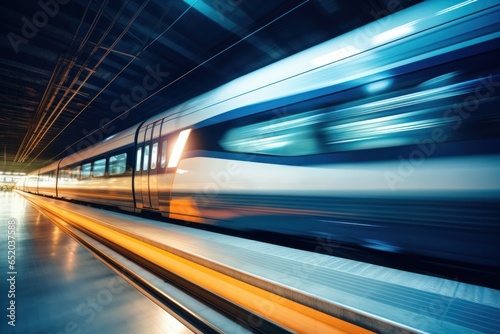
[(390, 144), (101, 174), (385, 138)]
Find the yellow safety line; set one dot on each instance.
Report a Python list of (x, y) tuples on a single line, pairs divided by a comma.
[(289, 314)]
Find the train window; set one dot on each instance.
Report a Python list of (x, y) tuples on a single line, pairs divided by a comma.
[(117, 164), (86, 169), (287, 136), (75, 173), (99, 167), (145, 163), (138, 160), (164, 154), (154, 155)]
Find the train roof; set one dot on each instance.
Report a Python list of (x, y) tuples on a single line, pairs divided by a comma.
[(279, 79)]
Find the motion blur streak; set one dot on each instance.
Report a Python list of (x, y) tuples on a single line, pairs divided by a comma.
[(394, 139), (287, 313)]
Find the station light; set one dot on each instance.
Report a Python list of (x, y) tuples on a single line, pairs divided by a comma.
[(214, 14)]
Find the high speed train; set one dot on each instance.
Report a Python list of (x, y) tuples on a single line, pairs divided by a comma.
[(385, 138)]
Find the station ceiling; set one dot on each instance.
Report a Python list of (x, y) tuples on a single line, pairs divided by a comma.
[(70, 67)]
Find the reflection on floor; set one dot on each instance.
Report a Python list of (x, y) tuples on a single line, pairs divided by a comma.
[(58, 286)]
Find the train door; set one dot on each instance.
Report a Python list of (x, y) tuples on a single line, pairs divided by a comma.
[(146, 159), (153, 168), (146, 177), (137, 175)]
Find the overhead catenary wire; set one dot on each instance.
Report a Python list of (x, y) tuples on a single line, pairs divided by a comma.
[(27, 145), (48, 124), (93, 70), (183, 75), (111, 81)]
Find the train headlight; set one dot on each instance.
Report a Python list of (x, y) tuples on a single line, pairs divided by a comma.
[(178, 148)]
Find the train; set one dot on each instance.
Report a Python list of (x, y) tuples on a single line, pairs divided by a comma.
[(385, 138)]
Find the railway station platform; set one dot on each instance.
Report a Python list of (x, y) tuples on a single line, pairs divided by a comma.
[(56, 276), (55, 285)]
